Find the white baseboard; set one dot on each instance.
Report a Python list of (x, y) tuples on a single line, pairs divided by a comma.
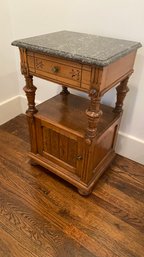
[(13, 107), (10, 108), (130, 147), (24, 104), (127, 145)]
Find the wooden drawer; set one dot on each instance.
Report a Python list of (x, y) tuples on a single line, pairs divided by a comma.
[(55, 69), (64, 72), (75, 75)]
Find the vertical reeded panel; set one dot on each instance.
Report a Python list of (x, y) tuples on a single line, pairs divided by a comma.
[(72, 152), (54, 143), (63, 144), (46, 140), (60, 146)]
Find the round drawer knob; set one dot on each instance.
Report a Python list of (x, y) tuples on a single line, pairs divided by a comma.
[(55, 69)]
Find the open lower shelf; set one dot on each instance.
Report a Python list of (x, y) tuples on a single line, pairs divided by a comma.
[(68, 112)]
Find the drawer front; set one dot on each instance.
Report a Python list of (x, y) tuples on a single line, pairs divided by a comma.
[(60, 71), (55, 69)]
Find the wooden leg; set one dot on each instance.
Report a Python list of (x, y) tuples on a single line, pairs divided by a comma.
[(30, 93), (93, 113), (64, 91), (122, 90)]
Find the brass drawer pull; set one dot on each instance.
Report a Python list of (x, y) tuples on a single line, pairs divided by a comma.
[(79, 157), (55, 69)]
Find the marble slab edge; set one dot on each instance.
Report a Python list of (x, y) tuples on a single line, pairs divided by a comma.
[(75, 57)]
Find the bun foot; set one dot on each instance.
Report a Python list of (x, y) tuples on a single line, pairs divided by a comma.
[(33, 163), (84, 192)]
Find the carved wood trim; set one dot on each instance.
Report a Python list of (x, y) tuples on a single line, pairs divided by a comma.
[(96, 76), (24, 63), (75, 74), (30, 93), (93, 113)]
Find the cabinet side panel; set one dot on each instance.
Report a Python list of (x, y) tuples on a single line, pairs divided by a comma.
[(102, 148), (117, 71)]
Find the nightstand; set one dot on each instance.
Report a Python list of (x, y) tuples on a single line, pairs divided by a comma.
[(71, 136)]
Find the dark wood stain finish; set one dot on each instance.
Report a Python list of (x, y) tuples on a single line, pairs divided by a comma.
[(43, 216)]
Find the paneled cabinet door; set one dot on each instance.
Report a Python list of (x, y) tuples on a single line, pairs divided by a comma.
[(59, 146)]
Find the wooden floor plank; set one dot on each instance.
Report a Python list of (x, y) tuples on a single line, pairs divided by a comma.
[(42, 215), (121, 205), (57, 203), (10, 247), (126, 184), (42, 237), (39, 202), (128, 169)]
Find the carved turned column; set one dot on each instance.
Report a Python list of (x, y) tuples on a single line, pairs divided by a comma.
[(30, 93), (122, 90), (93, 113)]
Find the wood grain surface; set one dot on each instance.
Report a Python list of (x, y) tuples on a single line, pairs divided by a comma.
[(43, 216)]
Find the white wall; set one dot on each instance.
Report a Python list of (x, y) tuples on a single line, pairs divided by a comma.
[(121, 19), (8, 74)]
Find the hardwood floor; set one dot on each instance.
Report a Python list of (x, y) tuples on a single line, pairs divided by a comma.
[(43, 216)]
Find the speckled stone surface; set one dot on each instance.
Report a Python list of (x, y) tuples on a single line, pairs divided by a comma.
[(80, 47)]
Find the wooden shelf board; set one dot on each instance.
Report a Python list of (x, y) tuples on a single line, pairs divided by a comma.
[(69, 112)]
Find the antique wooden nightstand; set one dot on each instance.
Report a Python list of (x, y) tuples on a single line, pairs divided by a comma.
[(72, 136)]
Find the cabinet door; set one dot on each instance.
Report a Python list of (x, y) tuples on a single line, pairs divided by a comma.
[(59, 146)]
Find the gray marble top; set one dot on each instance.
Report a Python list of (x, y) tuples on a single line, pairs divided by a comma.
[(80, 47)]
